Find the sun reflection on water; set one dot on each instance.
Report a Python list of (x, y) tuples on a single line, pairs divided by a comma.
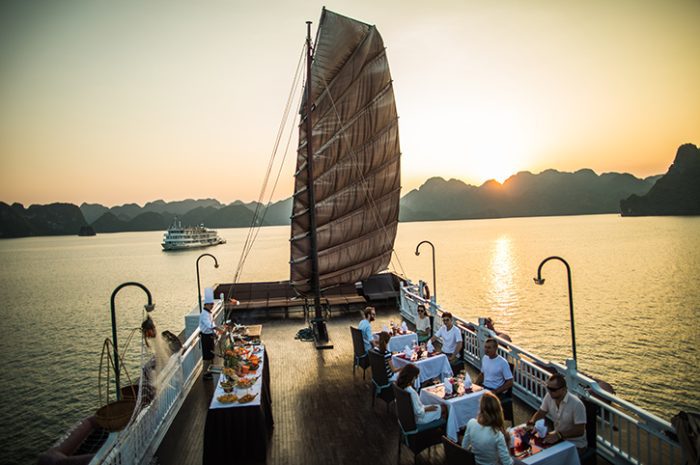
[(502, 291)]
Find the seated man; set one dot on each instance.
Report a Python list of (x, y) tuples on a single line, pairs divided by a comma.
[(568, 412), (366, 328), (451, 341), (495, 372)]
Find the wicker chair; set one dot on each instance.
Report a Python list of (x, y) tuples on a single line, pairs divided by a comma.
[(381, 386), (414, 436), (456, 454), (358, 345)]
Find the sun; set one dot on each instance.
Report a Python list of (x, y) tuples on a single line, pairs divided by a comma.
[(497, 146)]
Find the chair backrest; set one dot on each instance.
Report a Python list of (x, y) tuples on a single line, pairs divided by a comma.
[(591, 423), (432, 319), (358, 344), (379, 375), (404, 409), (456, 454)]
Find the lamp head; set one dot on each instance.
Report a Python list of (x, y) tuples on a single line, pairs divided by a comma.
[(538, 281), (149, 307), (216, 265), (417, 252)]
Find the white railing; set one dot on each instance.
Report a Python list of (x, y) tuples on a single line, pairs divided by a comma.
[(139, 441), (626, 434)]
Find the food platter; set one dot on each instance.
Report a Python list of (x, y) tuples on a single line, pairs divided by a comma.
[(228, 398), (247, 398)]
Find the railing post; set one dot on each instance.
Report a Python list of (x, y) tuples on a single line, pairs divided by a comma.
[(482, 333), (570, 375)]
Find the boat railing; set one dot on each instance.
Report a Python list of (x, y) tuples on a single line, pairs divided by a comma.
[(139, 441), (626, 433)]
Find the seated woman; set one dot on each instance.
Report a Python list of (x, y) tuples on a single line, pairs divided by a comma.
[(423, 324), (424, 413), (381, 349), (486, 435)]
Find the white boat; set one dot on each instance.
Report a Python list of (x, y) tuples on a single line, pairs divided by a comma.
[(178, 237)]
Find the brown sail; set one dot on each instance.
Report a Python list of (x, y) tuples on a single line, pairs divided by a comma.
[(356, 169)]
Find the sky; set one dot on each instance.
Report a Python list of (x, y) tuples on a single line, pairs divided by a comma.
[(133, 101)]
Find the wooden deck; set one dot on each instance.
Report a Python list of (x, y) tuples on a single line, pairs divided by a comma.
[(323, 415)]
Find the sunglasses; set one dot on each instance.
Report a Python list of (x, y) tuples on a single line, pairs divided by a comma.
[(554, 389)]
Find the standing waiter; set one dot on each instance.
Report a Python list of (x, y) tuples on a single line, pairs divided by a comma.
[(208, 331)]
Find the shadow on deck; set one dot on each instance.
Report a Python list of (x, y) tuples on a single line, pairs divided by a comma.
[(323, 415)]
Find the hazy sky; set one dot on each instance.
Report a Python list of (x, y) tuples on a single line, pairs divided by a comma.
[(131, 101)]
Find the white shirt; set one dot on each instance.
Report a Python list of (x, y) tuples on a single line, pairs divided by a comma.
[(496, 371), (487, 445), (423, 324), (450, 338), (206, 322), (570, 412), (419, 409)]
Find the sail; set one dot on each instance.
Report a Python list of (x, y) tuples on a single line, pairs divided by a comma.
[(357, 172)]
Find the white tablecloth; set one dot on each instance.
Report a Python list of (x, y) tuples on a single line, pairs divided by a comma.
[(398, 342), (432, 367), (459, 409), (254, 390), (563, 453)]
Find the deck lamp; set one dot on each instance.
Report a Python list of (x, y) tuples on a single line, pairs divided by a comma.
[(149, 307), (418, 253), (539, 280), (199, 287)]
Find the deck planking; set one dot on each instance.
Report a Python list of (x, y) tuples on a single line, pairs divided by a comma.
[(323, 414)]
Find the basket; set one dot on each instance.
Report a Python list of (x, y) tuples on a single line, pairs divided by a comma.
[(115, 415), (131, 392)]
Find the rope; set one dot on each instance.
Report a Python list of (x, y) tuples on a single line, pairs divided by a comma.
[(260, 212)]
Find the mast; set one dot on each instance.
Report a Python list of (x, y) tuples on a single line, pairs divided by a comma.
[(319, 325)]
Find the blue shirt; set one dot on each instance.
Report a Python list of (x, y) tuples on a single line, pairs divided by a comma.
[(366, 330)]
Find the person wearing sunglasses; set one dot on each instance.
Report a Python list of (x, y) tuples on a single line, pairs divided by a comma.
[(422, 324), (568, 412), (451, 341)]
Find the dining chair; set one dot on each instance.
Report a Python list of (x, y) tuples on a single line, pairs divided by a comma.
[(414, 436), (456, 454), (358, 345), (381, 386)]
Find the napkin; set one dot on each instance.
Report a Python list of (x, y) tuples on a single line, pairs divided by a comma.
[(404, 327), (407, 351), (541, 428), (448, 386), (467, 381), (430, 347)]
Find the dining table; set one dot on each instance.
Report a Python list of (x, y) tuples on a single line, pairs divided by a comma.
[(241, 429), (430, 366), (561, 453), (399, 342), (460, 408)]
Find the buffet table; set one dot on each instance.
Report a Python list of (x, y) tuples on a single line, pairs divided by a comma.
[(239, 432)]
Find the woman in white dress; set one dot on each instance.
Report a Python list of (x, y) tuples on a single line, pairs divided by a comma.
[(424, 413)]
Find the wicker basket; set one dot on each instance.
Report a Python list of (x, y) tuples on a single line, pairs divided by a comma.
[(115, 415)]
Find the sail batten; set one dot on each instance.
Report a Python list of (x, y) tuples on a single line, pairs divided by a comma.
[(354, 142)]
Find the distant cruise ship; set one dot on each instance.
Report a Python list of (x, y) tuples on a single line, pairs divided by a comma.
[(190, 237)]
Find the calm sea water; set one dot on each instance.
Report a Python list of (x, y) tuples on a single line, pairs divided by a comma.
[(635, 286)]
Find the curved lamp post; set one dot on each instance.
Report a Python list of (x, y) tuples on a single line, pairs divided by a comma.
[(418, 253), (540, 281), (199, 288), (149, 308)]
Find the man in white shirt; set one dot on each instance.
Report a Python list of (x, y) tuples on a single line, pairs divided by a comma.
[(568, 412), (495, 372), (208, 331), (366, 328), (451, 341)]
